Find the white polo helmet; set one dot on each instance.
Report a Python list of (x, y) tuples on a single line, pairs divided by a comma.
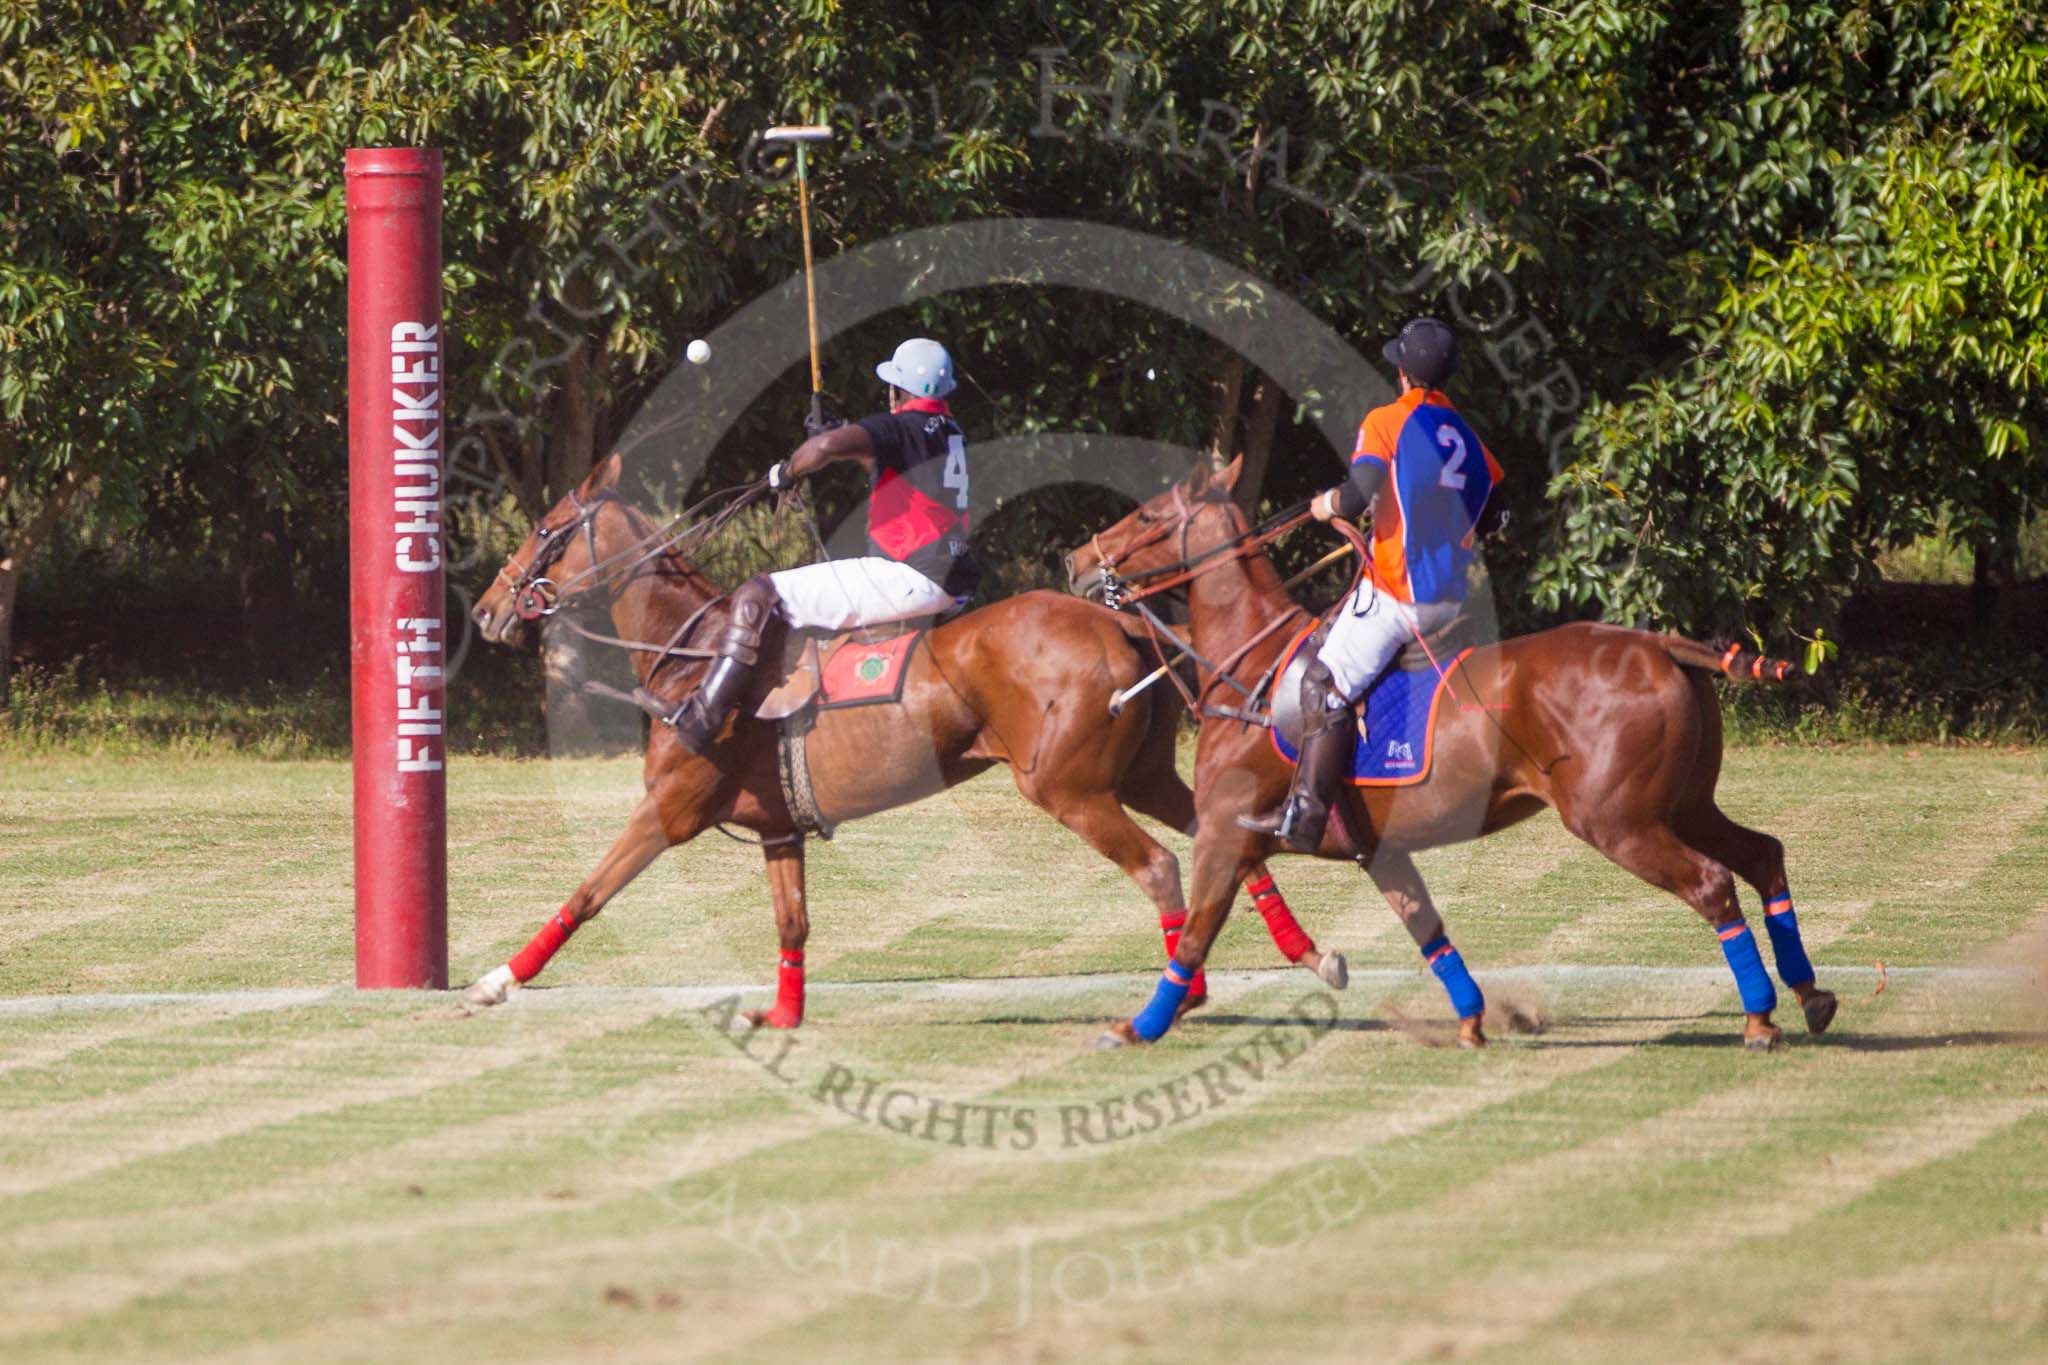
[(920, 367)]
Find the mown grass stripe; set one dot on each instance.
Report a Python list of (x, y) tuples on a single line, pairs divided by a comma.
[(157, 1146), (1124, 1183), (1533, 1130), (1845, 1279)]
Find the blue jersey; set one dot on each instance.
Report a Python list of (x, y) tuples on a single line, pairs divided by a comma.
[(1439, 477)]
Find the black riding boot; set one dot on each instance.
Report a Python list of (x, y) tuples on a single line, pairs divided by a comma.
[(1327, 740), (699, 719)]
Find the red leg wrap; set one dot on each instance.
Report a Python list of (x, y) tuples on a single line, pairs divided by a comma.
[(1170, 926), (544, 945), (789, 991), (1288, 935)]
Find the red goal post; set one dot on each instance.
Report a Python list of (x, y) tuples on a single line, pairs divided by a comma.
[(398, 637)]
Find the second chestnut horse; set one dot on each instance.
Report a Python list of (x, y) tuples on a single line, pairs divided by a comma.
[(1618, 731)]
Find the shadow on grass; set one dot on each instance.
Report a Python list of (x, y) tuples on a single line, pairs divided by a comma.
[(1287, 1021), (1293, 1021), (1872, 1042)]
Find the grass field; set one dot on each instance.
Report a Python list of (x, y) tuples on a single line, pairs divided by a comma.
[(263, 1165)]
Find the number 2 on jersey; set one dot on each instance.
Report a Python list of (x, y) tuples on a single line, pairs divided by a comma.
[(1454, 475), (956, 470)]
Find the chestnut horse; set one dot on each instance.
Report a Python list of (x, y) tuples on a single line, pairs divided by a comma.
[(1617, 730), (1026, 682)]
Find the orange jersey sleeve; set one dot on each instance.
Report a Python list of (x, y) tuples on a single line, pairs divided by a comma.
[(1377, 436)]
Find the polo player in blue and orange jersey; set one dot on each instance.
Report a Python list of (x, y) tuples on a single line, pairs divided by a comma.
[(1427, 478)]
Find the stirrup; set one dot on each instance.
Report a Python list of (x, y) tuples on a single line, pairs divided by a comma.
[(1298, 823), (694, 729)]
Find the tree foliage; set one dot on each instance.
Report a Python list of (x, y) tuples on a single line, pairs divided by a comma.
[(1750, 290), (1882, 364)]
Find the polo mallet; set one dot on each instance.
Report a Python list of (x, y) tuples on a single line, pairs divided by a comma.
[(799, 135)]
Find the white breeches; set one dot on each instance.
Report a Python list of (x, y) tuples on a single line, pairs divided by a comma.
[(840, 594), (1369, 630)]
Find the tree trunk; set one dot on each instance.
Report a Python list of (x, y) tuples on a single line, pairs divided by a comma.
[(1223, 432), (572, 436), (19, 550), (1259, 427), (1229, 399), (577, 724), (1994, 576), (10, 585)]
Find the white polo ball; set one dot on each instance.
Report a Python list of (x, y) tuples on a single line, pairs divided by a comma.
[(698, 351)]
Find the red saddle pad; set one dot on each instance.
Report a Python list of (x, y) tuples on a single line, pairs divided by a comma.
[(858, 674)]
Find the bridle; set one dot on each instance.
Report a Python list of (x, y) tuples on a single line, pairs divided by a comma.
[(1121, 590), (535, 596)]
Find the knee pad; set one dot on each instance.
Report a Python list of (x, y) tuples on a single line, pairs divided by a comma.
[(1320, 699), (753, 605)]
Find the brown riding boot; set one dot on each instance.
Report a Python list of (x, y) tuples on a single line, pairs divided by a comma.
[(702, 715), (1327, 740)]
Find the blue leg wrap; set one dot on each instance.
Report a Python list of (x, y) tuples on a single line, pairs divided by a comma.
[(1738, 945), (1155, 1019), (1443, 959), (1783, 925)]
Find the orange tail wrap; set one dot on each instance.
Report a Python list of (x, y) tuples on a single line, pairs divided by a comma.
[(1735, 662)]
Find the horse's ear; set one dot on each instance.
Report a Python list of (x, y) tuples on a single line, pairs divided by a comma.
[(604, 474), (1226, 477), (1198, 477)]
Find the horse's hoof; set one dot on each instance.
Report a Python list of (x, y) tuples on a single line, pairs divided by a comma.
[(1470, 1033), (775, 1018), (494, 987), (1820, 1010), (1771, 1040), (1119, 1034), (1334, 971), (1192, 1002)]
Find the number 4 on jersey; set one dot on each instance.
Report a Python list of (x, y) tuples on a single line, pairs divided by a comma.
[(956, 470)]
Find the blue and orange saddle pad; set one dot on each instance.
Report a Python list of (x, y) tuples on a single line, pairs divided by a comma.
[(1397, 731)]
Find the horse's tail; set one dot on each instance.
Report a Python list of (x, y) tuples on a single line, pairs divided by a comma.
[(1741, 664)]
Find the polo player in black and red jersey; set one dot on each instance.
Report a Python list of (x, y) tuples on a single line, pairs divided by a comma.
[(917, 562)]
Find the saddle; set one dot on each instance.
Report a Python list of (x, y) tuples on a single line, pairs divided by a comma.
[(858, 667), (824, 672), (1428, 654), (1436, 647)]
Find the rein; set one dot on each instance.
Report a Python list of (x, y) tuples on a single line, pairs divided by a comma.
[(1189, 567), (536, 596), (1250, 542)]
